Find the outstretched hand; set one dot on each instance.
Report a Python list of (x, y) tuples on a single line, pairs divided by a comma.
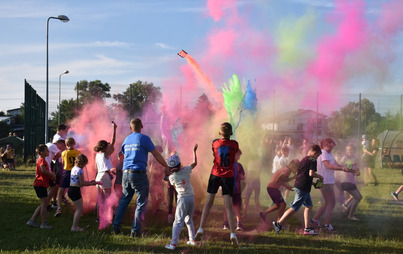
[(195, 147)]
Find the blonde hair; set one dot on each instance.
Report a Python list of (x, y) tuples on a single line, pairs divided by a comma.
[(70, 142)]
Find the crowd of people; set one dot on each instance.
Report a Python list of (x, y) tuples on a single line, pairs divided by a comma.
[(59, 169)]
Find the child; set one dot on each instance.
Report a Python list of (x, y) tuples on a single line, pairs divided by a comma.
[(41, 184), (222, 174), (302, 186), (68, 156), (77, 181), (157, 184), (104, 169), (395, 194), (180, 178), (276, 160), (347, 182), (280, 178), (239, 175), (10, 152), (253, 184)]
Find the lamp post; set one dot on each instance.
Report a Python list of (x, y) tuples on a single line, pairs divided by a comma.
[(64, 19), (60, 86)]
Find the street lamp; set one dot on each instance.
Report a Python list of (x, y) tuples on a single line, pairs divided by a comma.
[(64, 19), (60, 85)]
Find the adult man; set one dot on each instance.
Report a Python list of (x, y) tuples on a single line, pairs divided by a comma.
[(61, 133), (135, 149)]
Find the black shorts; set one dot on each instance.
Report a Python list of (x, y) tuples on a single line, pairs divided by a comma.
[(10, 160), (74, 193), (41, 192), (348, 186), (227, 185)]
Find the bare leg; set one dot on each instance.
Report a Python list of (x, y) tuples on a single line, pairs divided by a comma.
[(245, 207), (286, 215), (230, 212), (257, 203), (307, 212), (44, 209), (357, 198), (77, 213), (206, 209)]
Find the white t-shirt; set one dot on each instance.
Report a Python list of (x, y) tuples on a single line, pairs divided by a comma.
[(75, 175), (53, 150), (283, 162), (275, 163), (103, 164), (328, 174), (181, 181), (57, 137)]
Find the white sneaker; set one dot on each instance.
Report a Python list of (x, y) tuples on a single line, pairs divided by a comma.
[(199, 234), (329, 227), (193, 243), (310, 231), (234, 239), (170, 246)]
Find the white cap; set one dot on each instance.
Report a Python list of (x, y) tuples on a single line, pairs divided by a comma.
[(173, 161)]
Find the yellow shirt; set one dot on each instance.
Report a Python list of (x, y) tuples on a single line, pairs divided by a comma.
[(69, 157)]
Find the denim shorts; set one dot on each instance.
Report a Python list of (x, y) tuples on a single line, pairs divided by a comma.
[(301, 198)]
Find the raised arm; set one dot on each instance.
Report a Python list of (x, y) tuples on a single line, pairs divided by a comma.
[(194, 164), (110, 148)]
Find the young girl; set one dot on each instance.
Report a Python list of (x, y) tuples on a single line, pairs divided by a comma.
[(77, 181), (104, 165), (41, 184), (347, 182)]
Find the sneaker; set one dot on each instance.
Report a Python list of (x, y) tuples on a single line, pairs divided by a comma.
[(199, 234), (58, 212), (32, 223), (352, 218), (234, 240), (77, 229), (329, 227), (116, 230), (170, 246), (310, 231), (53, 205), (225, 226), (45, 226), (277, 227), (170, 218), (394, 195), (239, 227), (135, 234), (263, 216), (344, 207), (315, 223), (190, 242)]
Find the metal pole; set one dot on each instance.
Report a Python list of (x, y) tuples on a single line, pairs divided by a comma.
[(359, 120), (60, 86), (47, 81), (77, 96)]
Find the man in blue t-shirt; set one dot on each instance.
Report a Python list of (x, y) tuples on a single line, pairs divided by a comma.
[(135, 149)]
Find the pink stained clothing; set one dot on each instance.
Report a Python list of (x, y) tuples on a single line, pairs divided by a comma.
[(273, 184)]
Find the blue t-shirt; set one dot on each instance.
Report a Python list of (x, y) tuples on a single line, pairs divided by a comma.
[(136, 148)]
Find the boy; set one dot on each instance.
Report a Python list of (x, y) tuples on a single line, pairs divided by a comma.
[(41, 184), (302, 186), (68, 157), (180, 178), (239, 176), (280, 178), (55, 151), (222, 174)]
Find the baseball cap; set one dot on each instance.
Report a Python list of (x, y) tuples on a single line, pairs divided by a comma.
[(173, 161)]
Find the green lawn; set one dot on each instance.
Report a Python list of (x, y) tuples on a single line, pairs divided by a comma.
[(379, 230)]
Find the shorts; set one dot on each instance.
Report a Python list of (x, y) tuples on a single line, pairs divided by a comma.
[(301, 198), (253, 186), (74, 193), (237, 200), (41, 192), (226, 183), (275, 195), (105, 178), (348, 186), (65, 182)]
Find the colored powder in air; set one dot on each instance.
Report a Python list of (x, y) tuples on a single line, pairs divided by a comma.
[(233, 96)]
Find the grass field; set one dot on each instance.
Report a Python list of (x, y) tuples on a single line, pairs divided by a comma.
[(379, 230)]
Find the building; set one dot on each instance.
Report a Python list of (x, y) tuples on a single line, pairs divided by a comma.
[(297, 124), (14, 112)]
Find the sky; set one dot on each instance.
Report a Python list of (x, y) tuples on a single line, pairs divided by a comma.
[(339, 48)]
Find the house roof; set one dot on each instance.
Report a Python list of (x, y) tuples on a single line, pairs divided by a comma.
[(293, 114)]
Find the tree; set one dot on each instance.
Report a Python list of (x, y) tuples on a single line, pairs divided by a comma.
[(2, 113), (137, 96), (5, 129), (204, 106), (89, 92), (68, 110)]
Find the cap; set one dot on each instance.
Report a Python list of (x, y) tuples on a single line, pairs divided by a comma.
[(173, 161), (363, 136)]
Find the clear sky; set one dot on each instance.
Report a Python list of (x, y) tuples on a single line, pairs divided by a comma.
[(120, 42)]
